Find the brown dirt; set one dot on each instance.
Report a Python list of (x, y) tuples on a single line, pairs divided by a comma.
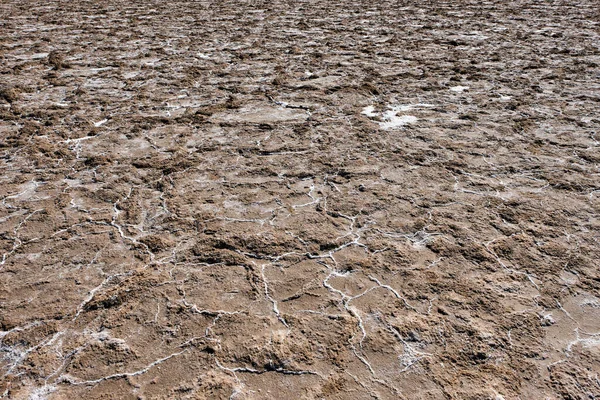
[(299, 200)]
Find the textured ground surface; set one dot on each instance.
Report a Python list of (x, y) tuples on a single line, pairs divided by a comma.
[(299, 200)]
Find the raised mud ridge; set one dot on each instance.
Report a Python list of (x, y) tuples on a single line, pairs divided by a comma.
[(299, 199)]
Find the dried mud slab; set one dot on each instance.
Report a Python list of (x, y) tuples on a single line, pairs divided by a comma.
[(307, 200)]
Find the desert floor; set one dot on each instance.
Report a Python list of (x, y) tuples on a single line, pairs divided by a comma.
[(299, 199)]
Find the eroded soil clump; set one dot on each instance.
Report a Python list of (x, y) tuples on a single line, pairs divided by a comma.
[(268, 200)]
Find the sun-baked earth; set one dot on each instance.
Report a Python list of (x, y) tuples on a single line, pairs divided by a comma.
[(299, 199)]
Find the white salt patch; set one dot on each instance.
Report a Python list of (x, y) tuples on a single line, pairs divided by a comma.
[(391, 119), (203, 55), (459, 89), (505, 98), (42, 393), (369, 111), (100, 123), (35, 56), (27, 191), (591, 302)]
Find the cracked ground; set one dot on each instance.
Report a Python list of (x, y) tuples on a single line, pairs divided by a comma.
[(299, 199)]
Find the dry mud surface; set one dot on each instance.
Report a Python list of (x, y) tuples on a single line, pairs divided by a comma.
[(299, 200)]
